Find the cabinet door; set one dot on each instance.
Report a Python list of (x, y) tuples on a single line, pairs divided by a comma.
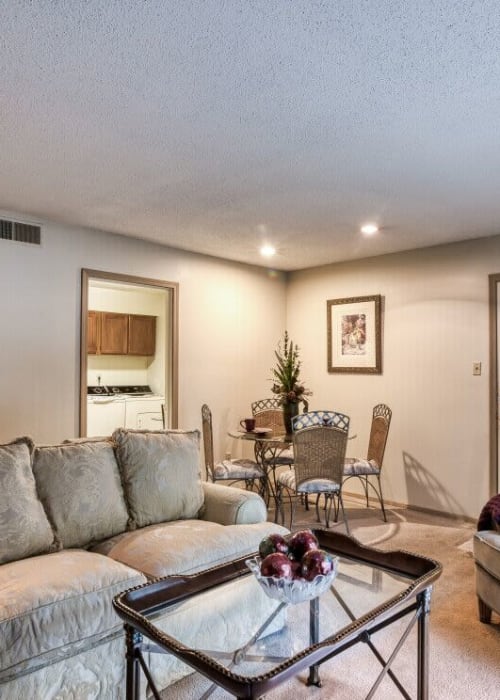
[(93, 332), (141, 335), (114, 333)]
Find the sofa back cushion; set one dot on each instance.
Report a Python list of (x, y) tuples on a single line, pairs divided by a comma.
[(160, 473), (80, 487), (24, 527)]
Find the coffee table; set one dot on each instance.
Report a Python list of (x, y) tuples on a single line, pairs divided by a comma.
[(372, 590)]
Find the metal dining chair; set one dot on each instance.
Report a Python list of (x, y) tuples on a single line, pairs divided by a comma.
[(230, 470), (318, 469), (363, 469), (306, 420), (323, 417), (268, 413)]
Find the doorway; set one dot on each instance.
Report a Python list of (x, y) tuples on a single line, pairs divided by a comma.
[(494, 309), (107, 294)]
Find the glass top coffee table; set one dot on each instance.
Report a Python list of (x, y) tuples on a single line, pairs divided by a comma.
[(372, 590)]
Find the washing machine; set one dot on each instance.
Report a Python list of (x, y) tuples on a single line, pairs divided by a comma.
[(144, 412)]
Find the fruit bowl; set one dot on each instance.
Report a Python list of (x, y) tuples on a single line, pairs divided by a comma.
[(292, 590)]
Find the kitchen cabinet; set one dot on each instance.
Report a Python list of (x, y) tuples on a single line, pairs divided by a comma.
[(111, 333), (114, 334), (141, 335), (93, 332)]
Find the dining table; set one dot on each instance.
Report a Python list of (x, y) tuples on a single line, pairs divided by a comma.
[(268, 447)]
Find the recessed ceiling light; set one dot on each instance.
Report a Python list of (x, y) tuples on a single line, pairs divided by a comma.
[(267, 250), (369, 229)]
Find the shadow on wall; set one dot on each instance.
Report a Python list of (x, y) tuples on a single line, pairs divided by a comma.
[(425, 490)]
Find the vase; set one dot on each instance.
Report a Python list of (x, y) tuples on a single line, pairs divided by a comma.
[(290, 410)]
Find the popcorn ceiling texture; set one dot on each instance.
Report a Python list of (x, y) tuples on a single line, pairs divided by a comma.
[(214, 126)]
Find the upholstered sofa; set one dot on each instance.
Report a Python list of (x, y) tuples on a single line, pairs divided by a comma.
[(486, 544), (86, 519)]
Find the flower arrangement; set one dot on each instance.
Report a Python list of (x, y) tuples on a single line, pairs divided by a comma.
[(286, 384)]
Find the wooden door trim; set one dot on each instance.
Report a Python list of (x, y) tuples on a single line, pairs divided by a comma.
[(86, 276), (494, 280)]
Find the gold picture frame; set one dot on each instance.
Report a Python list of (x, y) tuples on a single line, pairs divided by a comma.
[(354, 343)]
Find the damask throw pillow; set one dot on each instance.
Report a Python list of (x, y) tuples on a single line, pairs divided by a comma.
[(24, 527), (80, 487), (160, 473)]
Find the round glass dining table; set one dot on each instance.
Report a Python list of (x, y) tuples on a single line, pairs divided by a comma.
[(271, 450)]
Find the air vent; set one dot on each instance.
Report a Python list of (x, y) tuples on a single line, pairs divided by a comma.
[(17, 231)]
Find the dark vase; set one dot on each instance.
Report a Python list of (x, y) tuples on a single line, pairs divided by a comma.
[(290, 410)]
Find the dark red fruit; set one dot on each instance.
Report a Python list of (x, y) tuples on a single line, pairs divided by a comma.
[(300, 543), (316, 562), (271, 544), (277, 564), (296, 569)]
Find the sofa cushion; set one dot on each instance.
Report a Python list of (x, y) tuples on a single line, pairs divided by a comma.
[(79, 485), (52, 604), (185, 546), (25, 528), (160, 473)]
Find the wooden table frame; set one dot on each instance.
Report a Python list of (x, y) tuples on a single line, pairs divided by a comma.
[(135, 605)]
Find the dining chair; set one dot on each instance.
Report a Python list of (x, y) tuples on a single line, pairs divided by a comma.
[(268, 413), (231, 470), (318, 469), (363, 469), (306, 420)]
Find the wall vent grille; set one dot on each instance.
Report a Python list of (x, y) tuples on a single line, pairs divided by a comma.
[(17, 231)]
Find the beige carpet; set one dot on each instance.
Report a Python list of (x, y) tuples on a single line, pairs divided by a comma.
[(464, 654)]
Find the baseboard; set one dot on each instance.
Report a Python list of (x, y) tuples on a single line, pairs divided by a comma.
[(407, 506)]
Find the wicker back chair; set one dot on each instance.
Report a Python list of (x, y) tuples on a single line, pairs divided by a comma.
[(306, 420), (363, 469), (318, 469), (229, 470), (268, 413)]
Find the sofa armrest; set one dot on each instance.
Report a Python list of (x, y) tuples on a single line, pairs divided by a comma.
[(228, 505)]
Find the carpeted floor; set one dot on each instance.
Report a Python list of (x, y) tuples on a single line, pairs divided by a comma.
[(464, 654)]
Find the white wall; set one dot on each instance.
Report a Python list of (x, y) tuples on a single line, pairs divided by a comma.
[(231, 317), (435, 325)]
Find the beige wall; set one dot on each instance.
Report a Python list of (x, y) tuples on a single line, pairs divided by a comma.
[(435, 325), (231, 317)]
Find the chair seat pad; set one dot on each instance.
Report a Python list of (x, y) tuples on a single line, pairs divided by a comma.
[(287, 479), (360, 467), (238, 469)]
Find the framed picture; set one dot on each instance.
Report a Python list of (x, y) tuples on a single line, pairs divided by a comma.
[(354, 335)]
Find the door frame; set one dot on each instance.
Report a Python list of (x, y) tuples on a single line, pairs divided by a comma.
[(173, 350), (494, 280)]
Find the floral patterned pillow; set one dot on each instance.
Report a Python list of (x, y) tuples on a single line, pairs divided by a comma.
[(161, 474), (24, 527), (79, 485)]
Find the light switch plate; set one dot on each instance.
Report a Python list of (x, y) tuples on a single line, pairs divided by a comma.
[(476, 368)]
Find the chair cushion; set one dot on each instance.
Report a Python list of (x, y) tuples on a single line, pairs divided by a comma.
[(353, 466), (287, 479), (185, 546), (54, 603), (486, 544), (25, 528), (79, 485), (160, 473), (238, 469)]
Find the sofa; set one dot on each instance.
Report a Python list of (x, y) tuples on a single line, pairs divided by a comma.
[(83, 520), (486, 546)]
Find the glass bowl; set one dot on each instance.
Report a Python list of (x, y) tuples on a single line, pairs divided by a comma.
[(295, 590)]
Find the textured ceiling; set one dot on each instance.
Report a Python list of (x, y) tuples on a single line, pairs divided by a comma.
[(216, 125)]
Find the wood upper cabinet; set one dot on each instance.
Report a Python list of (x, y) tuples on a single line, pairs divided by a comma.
[(141, 335), (114, 333), (93, 327), (110, 333)]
